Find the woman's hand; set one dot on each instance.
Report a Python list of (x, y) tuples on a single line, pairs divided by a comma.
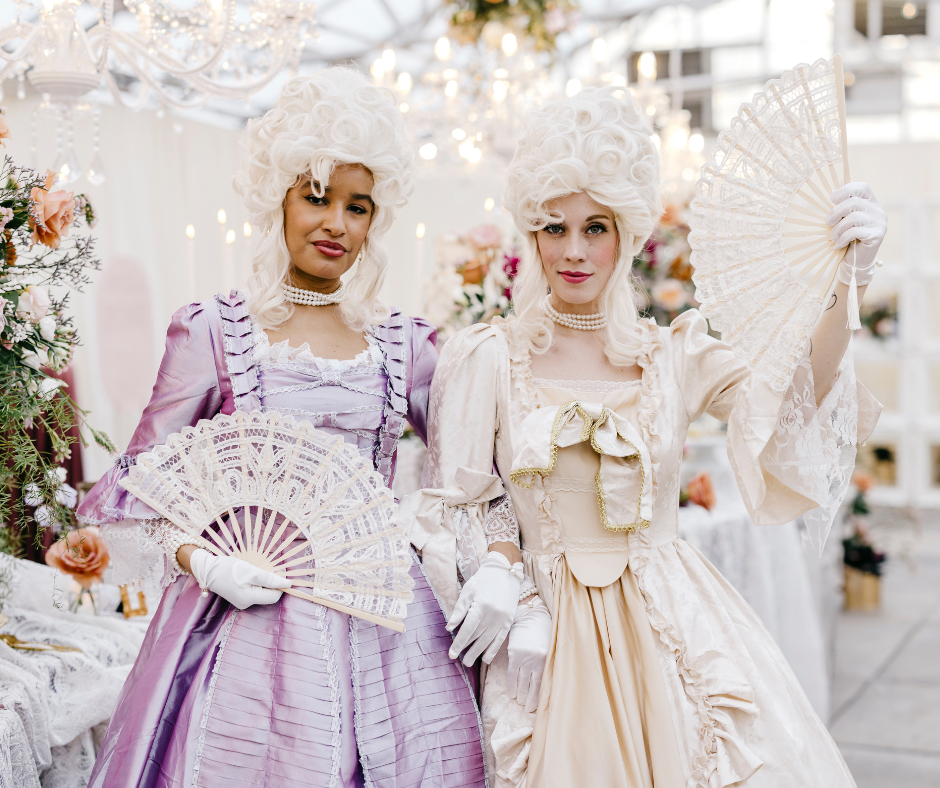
[(530, 639), (487, 606), (236, 581), (859, 217)]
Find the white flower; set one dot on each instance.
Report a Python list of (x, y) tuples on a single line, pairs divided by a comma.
[(35, 358), (47, 328), (33, 304), (48, 388)]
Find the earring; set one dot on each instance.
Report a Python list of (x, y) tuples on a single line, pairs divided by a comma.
[(358, 258)]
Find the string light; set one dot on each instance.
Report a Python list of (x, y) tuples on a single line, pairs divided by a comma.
[(419, 231), (190, 232), (230, 237), (246, 229), (221, 216), (489, 204)]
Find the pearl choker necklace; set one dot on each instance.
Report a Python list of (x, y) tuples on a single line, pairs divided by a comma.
[(297, 295), (592, 322)]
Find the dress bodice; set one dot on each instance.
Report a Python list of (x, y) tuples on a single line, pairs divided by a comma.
[(596, 555), (342, 397)]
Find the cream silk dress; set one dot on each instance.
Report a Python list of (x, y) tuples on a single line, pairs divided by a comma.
[(659, 673)]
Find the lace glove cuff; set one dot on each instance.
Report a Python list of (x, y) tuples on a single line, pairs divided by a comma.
[(500, 524)]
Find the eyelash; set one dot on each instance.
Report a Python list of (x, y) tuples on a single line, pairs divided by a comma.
[(559, 229)]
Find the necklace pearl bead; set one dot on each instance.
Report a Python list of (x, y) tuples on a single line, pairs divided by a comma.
[(297, 295), (592, 322)]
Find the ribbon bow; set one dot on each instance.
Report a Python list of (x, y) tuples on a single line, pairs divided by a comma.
[(623, 456)]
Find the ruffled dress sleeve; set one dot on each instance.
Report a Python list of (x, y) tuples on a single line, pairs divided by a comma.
[(187, 390), (420, 374), (445, 518), (790, 457)]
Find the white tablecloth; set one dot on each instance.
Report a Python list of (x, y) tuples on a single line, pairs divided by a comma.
[(54, 705)]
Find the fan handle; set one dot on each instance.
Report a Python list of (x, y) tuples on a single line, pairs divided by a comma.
[(840, 92), (398, 626)]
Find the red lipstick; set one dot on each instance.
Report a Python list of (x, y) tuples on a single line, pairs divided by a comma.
[(574, 277), (330, 249)]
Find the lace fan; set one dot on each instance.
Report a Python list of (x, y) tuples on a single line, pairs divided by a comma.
[(764, 263), (237, 484)]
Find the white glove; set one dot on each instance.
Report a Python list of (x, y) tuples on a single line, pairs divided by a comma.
[(529, 641), (857, 216), (236, 581), (488, 600)]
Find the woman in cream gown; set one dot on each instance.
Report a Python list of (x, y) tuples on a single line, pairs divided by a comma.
[(560, 432)]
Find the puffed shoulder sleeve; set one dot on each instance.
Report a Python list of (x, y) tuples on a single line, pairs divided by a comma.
[(187, 389), (790, 456), (421, 373), (445, 518)]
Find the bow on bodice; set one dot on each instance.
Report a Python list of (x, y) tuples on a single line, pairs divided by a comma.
[(624, 458)]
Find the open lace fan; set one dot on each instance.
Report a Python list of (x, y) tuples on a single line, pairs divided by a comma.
[(237, 483), (764, 263)]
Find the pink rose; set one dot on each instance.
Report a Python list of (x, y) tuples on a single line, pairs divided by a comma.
[(4, 128), (670, 294), (53, 213), (485, 236)]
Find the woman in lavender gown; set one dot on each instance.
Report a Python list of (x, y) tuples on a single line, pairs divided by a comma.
[(237, 685)]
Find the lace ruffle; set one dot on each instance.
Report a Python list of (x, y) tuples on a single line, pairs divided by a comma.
[(239, 340), (281, 353), (650, 396), (138, 550), (587, 386), (719, 740), (500, 524)]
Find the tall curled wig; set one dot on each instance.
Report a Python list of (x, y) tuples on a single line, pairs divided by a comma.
[(597, 142), (331, 118)]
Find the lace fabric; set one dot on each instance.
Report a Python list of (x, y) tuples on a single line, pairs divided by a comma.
[(587, 386), (500, 524), (281, 353)]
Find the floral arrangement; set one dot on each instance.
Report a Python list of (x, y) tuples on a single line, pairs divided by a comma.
[(879, 319), (537, 21), (663, 271), (39, 261), (858, 551), (699, 491), (473, 280)]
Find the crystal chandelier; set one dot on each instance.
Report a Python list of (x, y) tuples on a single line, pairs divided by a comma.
[(184, 53)]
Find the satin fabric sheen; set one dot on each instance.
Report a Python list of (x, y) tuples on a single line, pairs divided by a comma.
[(291, 694)]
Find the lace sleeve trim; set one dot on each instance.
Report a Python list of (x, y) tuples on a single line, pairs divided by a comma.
[(500, 524)]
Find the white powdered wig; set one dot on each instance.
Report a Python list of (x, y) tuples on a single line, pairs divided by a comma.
[(333, 117), (597, 142)]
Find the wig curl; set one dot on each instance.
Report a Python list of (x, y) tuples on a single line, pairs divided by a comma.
[(599, 143), (330, 118)]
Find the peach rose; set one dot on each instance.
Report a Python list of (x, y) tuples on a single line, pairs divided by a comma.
[(474, 272), (670, 294), (863, 480), (53, 214), (701, 491), (4, 128), (82, 554)]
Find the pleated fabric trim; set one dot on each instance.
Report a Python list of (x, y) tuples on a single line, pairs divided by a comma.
[(239, 342), (391, 339)]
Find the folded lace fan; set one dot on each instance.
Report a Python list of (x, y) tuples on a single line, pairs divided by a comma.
[(237, 483), (764, 263)]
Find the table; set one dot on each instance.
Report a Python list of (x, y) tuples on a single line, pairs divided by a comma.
[(55, 705)]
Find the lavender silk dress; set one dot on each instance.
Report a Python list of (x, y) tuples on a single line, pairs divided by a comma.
[(292, 695)]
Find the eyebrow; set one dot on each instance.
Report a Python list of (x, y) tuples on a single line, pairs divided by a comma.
[(597, 216)]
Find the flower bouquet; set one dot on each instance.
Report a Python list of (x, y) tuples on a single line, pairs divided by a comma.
[(473, 279), (861, 559), (699, 491), (40, 260), (663, 271), (535, 21)]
